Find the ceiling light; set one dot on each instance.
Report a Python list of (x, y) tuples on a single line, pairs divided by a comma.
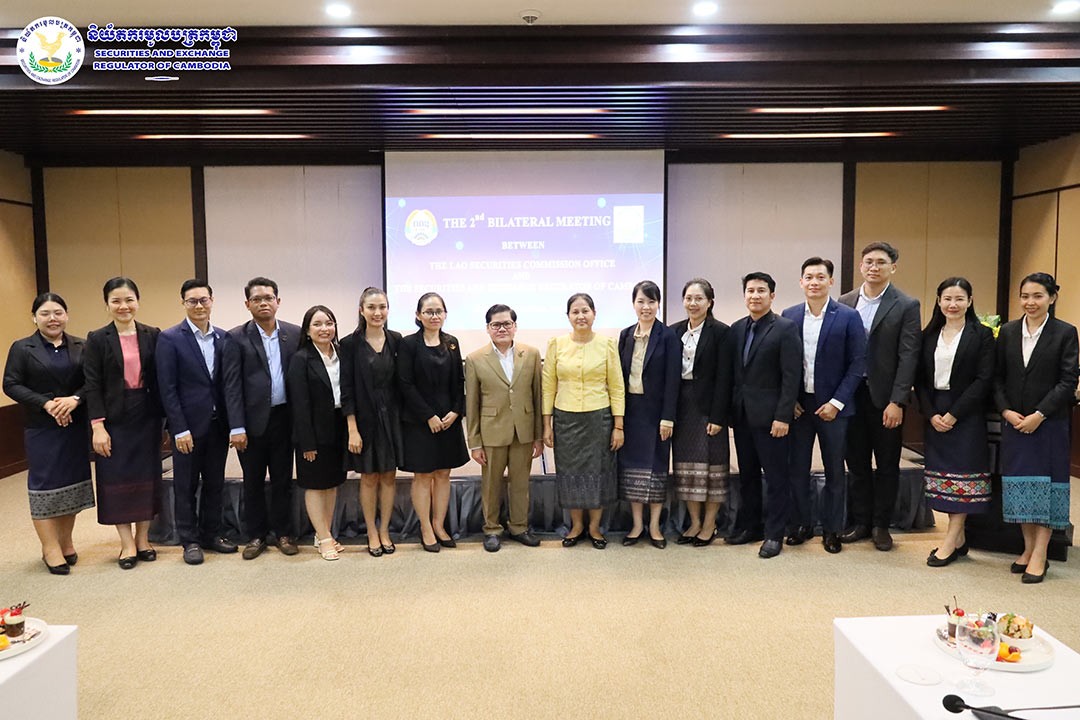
[(338, 11), (804, 136), (851, 109), (705, 8), (506, 111), (1065, 7), (511, 136), (226, 136), (204, 111)]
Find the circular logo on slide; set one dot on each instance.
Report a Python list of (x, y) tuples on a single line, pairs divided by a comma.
[(50, 50), (421, 227)]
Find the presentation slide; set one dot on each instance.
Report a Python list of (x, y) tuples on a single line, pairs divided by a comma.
[(526, 249)]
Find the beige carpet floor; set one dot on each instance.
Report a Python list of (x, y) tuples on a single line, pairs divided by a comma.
[(525, 633)]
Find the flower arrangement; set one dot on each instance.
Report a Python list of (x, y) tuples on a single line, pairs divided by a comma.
[(993, 322)]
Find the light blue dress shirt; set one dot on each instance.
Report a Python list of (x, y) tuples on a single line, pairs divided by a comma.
[(273, 360)]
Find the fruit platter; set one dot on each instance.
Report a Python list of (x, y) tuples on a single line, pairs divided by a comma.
[(1019, 649), (19, 632)]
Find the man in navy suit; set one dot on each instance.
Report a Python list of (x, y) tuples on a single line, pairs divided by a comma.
[(893, 339), (263, 348), (200, 392), (834, 356), (766, 363)]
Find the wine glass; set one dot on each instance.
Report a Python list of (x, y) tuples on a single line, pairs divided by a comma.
[(977, 642)]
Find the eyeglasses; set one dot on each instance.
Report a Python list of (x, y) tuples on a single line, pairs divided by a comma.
[(876, 263), (260, 299), (501, 325), (433, 313), (194, 302)]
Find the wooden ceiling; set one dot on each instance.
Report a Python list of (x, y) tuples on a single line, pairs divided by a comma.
[(354, 92)]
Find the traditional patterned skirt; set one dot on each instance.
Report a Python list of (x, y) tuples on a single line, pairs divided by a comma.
[(584, 463), (643, 458), (1035, 475), (129, 481), (957, 472), (701, 461), (59, 478)]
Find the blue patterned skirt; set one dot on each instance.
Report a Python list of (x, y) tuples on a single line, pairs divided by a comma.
[(1035, 475)]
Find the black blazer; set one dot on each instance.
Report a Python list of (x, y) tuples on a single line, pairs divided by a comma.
[(766, 388), (103, 364), (892, 348), (712, 368), (30, 381), (972, 376), (356, 397), (660, 372), (414, 376), (250, 356), (1048, 382), (311, 398)]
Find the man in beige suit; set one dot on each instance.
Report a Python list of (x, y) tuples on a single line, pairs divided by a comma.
[(503, 423)]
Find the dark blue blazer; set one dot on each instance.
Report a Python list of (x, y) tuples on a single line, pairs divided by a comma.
[(255, 370), (840, 360), (660, 373), (189, 396)]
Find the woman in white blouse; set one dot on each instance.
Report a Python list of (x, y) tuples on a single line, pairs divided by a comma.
[(314, 386), (954, 384)]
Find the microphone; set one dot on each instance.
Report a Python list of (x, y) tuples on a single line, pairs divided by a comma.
[(956, 704)]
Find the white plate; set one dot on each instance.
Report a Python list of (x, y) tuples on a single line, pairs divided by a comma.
[(1039, 656), (36, 631)]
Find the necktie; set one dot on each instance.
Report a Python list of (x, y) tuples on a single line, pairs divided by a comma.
[(749, 341)]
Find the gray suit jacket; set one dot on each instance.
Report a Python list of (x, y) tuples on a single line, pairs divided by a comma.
[(892, 348)]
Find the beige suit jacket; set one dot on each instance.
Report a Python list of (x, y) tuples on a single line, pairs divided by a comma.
[(497, 410)]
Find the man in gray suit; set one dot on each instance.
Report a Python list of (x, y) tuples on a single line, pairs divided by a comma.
[(892, 323)]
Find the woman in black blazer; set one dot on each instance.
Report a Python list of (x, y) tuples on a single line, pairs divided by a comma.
[(433, 387), (700, 448), (1034, 384), (651, 358), (954, 383), (371, 404), (44, 374), (125, 418), (314, 386)]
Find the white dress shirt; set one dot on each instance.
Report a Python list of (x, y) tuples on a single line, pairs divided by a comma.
[(944, 355), (811, 333), (507, 361), (1030, 340), (333, 369), (868, 306), (689, 349)]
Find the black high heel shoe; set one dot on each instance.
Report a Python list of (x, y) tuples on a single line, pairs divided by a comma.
[(72, 558), (61, 569), (1033, 579), (962, 551), (433, 547), (1016, 568), (631, 539), (389, 549)]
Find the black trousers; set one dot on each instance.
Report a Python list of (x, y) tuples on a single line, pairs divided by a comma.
[(872, 494), (198, 484), (757, 450), (270, 452)]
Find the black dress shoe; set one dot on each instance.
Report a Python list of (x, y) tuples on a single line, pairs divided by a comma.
[(526, 538), (433, 547), (491, 543), (147, 555), (631, 539), (126, 563), (831, 541), (193, 554), (1032, 579), (963, 549), (1017, 568), (794, 539), (572, 540), (598, 542), (742, 538), (389, 549), (685, 539), (658, 544), (770, 549), (702, 542), (855, 534), (935, 561), (882, 539), (447, 543), (220, 545), (72, 558), (61, 569), (254, 548)]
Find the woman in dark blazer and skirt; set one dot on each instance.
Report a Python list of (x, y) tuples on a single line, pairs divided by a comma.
[(651, 359), (700, 448), (372, 407), (44, 374), (954, 383), (1036, 376), (432, 384), (125, 419), (314, 386)]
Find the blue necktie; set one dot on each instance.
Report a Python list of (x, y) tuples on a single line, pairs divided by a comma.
[(749, 341)]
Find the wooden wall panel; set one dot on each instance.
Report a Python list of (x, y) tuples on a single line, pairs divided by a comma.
[(1068, 260), (18, 281), (1048, 166), (1034, 241), (14, 178)]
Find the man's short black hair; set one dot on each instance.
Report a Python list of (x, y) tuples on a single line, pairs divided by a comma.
[(496, 309), (763, 276)]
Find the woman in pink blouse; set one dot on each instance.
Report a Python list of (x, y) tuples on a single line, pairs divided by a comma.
[(125, 416)]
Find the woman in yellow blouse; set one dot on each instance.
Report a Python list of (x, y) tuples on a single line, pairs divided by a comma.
[(584, 402)]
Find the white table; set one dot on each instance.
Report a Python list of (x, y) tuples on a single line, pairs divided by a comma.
[(42, 684), (869, 650)]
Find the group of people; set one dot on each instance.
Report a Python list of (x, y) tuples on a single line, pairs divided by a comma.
[(619, 415)]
